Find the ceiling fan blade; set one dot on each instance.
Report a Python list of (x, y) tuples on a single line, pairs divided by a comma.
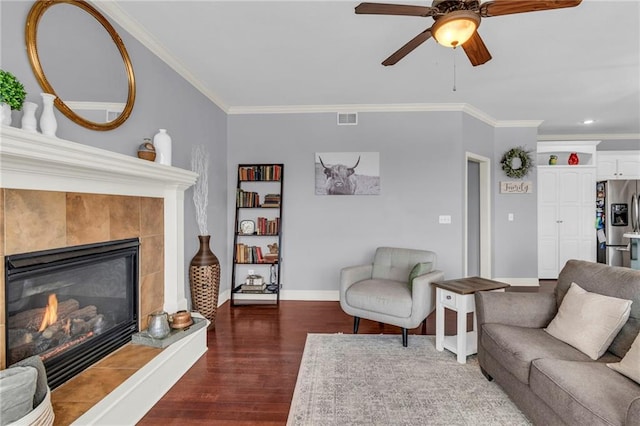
[(394, 9), (508, 7), (407, 48), (476, 50)]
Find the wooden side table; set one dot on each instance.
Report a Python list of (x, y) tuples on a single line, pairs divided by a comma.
[(458, 295)]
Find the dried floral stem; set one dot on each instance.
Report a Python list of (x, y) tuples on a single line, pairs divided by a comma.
[(200, 165)]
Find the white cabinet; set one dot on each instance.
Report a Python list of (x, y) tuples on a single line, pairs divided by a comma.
[(618, 165), (566, 215)]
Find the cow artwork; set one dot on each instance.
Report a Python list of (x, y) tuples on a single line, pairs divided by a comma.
[(340, 178), (347, 173)]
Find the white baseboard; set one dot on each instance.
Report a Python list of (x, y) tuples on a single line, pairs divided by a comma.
[(321, 295), (334, 295), (519, 281), (130, 401)]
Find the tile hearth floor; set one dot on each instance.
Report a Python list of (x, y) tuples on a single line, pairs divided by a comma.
[(75, 397)]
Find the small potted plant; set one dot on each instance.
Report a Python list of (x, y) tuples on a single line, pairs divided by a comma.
[(12, 95)]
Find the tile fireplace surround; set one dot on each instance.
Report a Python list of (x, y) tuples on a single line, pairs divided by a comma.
[(76, 194)]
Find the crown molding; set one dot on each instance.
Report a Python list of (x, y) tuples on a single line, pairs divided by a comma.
[(133, 27), (413, 107), (590, 137)]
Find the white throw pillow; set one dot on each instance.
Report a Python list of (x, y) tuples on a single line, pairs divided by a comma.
[(630, 364), (589, 321)]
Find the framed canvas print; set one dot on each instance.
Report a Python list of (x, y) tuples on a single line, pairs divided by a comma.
[(347, 173)]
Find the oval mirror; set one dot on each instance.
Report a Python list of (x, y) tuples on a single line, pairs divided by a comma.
[(73, 47)]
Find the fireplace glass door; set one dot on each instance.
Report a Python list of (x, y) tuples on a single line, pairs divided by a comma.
[(71, 306)]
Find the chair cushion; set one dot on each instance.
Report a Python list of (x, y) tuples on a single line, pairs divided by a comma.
[(381, 296), (589, 321), (391, 263), (516, 347), (630, 364), (583, 393)]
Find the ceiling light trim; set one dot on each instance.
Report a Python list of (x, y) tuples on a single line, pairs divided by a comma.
[(133, 27)]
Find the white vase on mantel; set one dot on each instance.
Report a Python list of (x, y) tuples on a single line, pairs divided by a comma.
[(29, 121), (5, 114), (162, 142), (48, 124)]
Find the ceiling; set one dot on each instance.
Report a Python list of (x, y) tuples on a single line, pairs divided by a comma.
[(560, 67)]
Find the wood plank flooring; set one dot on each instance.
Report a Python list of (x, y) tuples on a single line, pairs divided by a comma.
[(249, 372)]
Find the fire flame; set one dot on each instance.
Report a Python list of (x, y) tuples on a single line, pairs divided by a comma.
[(50, 313)]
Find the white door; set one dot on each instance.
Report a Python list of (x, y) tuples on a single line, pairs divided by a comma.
[(547, 223), (566, 217)]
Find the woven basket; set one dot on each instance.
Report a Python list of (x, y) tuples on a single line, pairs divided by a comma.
[(42, 415), (204, 281)]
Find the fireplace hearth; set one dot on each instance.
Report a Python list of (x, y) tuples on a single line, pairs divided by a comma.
[(71, 306)]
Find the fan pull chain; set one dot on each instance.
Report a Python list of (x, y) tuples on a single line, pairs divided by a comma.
[(454, 69)]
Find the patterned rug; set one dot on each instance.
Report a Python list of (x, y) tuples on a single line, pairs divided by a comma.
[(347, 379)]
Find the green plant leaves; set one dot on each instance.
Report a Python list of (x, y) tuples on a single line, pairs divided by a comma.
[(11, 90), (526, 162)]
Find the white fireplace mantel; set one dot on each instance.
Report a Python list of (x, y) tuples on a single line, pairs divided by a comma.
[(38, 162)]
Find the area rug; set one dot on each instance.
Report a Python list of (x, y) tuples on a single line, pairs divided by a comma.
[(347, 379)]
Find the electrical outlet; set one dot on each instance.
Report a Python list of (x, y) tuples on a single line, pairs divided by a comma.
[(444, 219), (510, 217), (252, 272)]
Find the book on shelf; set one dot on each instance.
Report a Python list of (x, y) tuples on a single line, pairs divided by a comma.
[(266, 226), (249, 287), (253, 254), (270, 257), (247, 198), (254, 280), (271, 200), (263, 172)]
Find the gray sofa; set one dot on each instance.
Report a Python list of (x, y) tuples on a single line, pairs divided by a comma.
[(550, 381)]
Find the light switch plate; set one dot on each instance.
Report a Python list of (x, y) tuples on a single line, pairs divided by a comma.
[(444, 219)]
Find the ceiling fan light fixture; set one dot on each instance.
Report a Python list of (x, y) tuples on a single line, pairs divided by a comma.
[(455, 28)]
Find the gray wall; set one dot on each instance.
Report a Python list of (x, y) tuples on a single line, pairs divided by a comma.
[(164, 100), (422, 167), (515, 244)]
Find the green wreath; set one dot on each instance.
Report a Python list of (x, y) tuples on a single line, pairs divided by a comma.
[(526, 162)]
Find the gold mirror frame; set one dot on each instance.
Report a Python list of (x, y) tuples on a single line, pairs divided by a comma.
[(31, 33)]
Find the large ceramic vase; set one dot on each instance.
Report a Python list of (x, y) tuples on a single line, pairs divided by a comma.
[(204, 280)]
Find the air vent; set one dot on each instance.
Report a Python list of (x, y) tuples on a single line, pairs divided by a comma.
[(347, 118)]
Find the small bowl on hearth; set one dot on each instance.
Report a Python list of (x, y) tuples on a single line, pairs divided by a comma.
[(181, 319)]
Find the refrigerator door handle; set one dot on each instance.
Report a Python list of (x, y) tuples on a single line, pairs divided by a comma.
[(635, 215)]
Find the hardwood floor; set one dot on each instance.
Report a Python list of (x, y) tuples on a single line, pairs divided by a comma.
[(249, 372)]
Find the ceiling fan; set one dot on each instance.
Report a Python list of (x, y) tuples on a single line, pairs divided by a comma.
[(456, 22)]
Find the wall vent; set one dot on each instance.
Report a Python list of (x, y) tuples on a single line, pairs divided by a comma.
[(347, 118)]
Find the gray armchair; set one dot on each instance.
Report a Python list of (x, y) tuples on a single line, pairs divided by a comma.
[(382, 291)]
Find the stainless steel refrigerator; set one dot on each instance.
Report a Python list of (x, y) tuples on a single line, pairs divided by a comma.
[(617, 213)]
